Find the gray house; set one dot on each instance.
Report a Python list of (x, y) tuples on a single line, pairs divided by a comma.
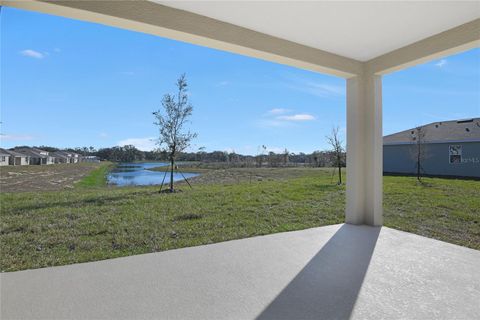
[(66, 157), (448, 148), (61, 157), (4, 157), (18, 159), (37, 156)]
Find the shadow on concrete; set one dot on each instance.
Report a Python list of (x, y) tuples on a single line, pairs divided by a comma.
[(328, 286)]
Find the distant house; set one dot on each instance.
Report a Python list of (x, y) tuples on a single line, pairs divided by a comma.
[(4, 157), (450, 148), (61, 156), (65, 157), (37, 156), (91, 159), (18, 159), (75, 158)]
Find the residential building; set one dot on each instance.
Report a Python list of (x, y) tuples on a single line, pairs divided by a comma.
[(75, 157), (37, 156), (446, 148), (18, 159), (61, 157), (4, 157), (65, 156)]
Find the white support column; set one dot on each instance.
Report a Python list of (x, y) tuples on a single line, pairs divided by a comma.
[(364, 150)]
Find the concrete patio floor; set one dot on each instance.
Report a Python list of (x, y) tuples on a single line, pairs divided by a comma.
[(332, 272)]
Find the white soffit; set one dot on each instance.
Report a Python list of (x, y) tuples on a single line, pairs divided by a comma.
[(360, 30)]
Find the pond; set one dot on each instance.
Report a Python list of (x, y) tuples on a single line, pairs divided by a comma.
[(138, 174)]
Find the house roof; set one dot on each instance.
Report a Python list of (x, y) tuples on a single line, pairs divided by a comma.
[(33, 152), (61, 153), (16, 154), (443, 131), (4, 152)]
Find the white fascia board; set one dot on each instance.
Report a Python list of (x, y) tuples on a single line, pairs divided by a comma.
[(154, 18), (458, 39)]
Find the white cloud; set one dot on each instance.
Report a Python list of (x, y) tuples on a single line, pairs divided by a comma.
[(144, 144), (57, 50), (280, 117), (441, 63), (297, 117), (278, 111), (16, 137), (32, 54), (103, 135)]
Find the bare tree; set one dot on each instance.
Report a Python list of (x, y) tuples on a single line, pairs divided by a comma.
[(338, 150), (285, 157), (171, 121), (419, 152), (261, 155)]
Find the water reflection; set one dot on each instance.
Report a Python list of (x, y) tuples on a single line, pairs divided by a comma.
[(138, 174)]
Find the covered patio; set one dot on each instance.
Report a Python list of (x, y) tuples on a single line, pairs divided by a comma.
[(333, 272), (355, 270)]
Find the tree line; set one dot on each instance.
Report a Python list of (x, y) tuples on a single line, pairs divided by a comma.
[(130, 153)]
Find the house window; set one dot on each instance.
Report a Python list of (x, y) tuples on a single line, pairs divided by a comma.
[(3, 158), (455, 154)]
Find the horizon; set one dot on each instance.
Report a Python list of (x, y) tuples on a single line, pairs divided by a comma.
[(240, 103), (160, 150)]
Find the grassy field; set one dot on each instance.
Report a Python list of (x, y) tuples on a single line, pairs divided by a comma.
[(97, 177), (92, 222), (444, 209)]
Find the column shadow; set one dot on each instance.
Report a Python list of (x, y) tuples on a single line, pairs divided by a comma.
[(328, 286)]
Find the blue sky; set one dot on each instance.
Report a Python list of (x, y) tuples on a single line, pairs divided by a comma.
[(69, 83)]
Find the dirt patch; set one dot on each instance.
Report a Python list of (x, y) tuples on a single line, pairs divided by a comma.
[(42, 178), (238, 175)]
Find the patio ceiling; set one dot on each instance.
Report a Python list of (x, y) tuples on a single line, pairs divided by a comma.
[(339, 38), (353, 29)]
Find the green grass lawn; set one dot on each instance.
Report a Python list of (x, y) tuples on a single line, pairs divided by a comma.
[(93, 222), (97, 177), (444, 209)]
